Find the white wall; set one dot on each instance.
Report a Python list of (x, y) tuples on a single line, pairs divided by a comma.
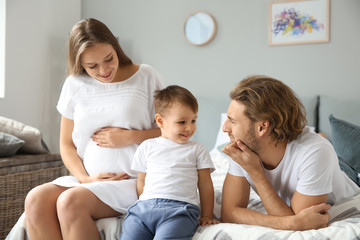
[(36, 45), (2, 46), (151, 32)]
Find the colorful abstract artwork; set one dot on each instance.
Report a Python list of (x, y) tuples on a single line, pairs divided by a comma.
[(296, 22)]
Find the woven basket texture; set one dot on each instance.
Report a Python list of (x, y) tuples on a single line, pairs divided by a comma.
[(18, 175)]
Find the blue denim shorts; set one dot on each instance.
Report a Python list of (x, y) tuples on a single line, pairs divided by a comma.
[(160, 219)]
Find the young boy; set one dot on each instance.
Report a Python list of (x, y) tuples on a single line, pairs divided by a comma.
[(170, 169)]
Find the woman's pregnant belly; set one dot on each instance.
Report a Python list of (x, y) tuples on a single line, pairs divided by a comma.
[(108, 160)]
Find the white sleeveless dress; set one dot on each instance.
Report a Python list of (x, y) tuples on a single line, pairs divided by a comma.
[(93, 105)]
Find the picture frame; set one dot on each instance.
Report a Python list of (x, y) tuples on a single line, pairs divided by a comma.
[(298, 22)]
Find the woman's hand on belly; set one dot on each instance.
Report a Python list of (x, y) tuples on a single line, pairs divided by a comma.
[(112, 137), (106, 177)]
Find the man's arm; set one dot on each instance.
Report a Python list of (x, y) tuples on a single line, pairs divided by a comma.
[(272, 202), (300, 201), (274, 205), (251, 163), (235, 199)]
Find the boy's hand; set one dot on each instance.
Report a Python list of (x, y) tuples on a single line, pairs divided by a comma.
[(207, 221)]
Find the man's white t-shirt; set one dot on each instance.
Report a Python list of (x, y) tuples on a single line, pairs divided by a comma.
[(309, 166), (171, 168)]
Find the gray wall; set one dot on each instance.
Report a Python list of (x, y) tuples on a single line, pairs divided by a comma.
[(36, 42), (151, 32)]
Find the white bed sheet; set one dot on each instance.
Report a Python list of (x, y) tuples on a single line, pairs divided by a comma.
[(344, 223)]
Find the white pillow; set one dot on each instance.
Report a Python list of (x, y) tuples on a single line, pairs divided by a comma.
[(222, 137), (31, 135)]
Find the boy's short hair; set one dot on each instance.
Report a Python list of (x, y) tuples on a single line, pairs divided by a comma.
[(165, 98)]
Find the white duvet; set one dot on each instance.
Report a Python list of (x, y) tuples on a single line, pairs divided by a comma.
[(344, 222)]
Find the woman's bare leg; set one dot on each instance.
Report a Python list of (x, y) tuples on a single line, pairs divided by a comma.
[(40, 212), (78, 208)]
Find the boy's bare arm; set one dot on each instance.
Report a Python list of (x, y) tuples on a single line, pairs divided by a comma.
[(206, 190), (140, 183)]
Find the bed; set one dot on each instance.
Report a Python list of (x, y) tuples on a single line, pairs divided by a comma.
[(345, 216), (343, 133), (345, 220), (344, 223)]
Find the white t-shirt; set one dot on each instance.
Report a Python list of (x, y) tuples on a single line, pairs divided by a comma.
[(171, 168), (92, 105), (309, 166)]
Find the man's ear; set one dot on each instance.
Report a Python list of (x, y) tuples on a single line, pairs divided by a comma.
[(263, 128), (159, 120)]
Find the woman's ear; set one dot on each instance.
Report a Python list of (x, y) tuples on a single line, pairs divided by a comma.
[(159, 120)]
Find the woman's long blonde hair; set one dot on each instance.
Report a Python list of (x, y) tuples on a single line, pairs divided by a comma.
[(86, 34)]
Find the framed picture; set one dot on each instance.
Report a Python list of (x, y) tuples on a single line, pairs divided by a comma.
[(298, 22)]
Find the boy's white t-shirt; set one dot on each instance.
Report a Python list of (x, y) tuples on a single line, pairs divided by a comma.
[(309, 166), (171, 168)]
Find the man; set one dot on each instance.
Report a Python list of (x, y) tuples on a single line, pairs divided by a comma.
[(294, 170)]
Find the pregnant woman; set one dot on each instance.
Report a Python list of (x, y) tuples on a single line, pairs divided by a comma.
[(107, 110)]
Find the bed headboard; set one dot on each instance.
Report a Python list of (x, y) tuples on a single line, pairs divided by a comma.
[(208, 122), (347, 110)]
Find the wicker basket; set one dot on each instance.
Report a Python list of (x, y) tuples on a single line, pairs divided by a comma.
[(18, 175)]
